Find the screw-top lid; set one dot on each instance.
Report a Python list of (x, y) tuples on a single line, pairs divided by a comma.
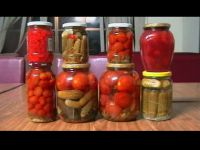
[(41, 23), (156, 74), (126, 25), (74, 24), (157, 25), (128, 65), (75, 66)]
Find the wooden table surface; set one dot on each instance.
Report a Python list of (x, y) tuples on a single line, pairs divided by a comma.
[(13, 116), (8, 86)]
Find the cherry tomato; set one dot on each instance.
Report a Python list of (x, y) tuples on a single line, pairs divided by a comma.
[(49, 100), (47, 93), (112, 109), (38, 91), (42, 100), (30, 93), (64, 81), (112, 38), (48, 108), (43, 76), (38, 106), (33, 82), (122, 99), (121, 37), (104, 88), (117, 47), (92, 81), (104, 99), (80, 81), (33, 100), (44, 84), (111, 78), (41, 113), (125, 84)]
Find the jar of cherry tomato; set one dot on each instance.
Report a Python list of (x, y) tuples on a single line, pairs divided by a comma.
[(157, 47), (156, 95), (77, 93), (40, 42), (120, 43), (75, 43), (41, 93), (119, 93)]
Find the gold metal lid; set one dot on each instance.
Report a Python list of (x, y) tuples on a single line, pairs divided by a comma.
[(112, 65), (157, 25), (76, 66), (157, 74)]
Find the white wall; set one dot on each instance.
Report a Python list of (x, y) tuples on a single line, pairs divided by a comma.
[(185, 30)]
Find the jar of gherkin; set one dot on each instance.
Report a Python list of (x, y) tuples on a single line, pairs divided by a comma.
[(156, 95), (75, 43)]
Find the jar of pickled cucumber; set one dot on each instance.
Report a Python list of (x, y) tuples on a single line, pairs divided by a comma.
[(119, 93), (77, 93), (75, 43), (120, 43), (156, 95), (41, 99)]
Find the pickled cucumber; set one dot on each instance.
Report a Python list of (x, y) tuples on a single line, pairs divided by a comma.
[(153, 103), (151, 83)]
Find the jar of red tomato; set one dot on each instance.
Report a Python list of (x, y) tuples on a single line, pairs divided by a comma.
[(41, 93), (77, 93), (157, 47), (40, 42), (119, 93), (120, 43)]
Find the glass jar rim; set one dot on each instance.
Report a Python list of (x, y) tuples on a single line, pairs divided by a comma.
[(75, 66), (74, 24), (125, 25), (113, 65), (41, 23)]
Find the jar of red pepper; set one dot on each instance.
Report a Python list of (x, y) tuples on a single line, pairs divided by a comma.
[(40, 42), (119, 93), (120, 43), (157, 47), (41, 98)]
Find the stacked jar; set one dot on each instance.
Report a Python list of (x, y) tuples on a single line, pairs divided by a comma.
[(120, 84), (39, 78), (77, 87), (157, 47)]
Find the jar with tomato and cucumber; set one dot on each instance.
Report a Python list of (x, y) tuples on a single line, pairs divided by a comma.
[(157, 47), (40, 42), (41, 99), (77, 93), (119, 93), (120, 43)]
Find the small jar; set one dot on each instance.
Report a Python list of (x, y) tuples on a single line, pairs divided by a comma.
[(77, 93), (120, 43), (41, 98), (156, 95), (75, 43), (40, 42), (119, 93), (157, 47)]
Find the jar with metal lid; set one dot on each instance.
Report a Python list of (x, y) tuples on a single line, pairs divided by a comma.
[(41, 99), (40, 42), (77, 93), (157, 47), (119, 93), (156, 95), (75, 43), (120, 43)]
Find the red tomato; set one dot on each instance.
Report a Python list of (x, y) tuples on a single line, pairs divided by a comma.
[(48, 108), (80, 81), (110, 78), (125, 84), (47, 93), (30, 93), (33, 100), (64, 81), (38, 106), (30, 106), (112, 109), (42, 100), (110, 56), (44, 84), (92, 81), (38, 91), (72, 36), (33, 111), (49, 100), (49, 75), (104, 99), (33, 82), (117, 47), (122, 99), (112, 38), (121, 37), (104, 88), (43, 76), (41, 113)]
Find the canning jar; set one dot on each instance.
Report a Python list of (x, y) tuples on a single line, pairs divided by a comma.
[(156, 95), (77, 93), (120, 43), (41, 97), (157, 47), (119, 93), (40, 42), (75, 43)]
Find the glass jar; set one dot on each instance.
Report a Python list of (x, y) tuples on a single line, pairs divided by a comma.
[(77, 93), (156, 95), (40, 42), (157, 47), (74, 43), (120, 43), (119, 93), (41, 93)]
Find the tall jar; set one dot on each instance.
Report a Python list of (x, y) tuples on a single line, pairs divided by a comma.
[(119, 93), (120, 43), (41, 98), (156, 95), (77, 93), (157, 47), (75, 43), (40, 42)]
